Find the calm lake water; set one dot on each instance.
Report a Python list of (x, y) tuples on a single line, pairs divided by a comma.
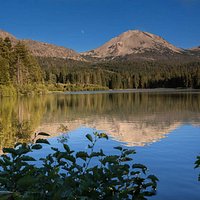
[(163, 127)]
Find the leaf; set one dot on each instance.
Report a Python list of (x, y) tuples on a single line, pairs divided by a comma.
[(18, 144), (118, 148), (81, 154), (110, 159), (197, 163), (103, 135), (37, 146), (70, 158), (140, 166), (125, 159), (63, 155), (101, 151), (95, 154), (44, 141), (128, 152), (10, 150), (90, 146), (153, 178), (66, 147), (7, 161), (43, 134), (27, 158), (22, 150), (54, 149), (135, 173), (89, 137)]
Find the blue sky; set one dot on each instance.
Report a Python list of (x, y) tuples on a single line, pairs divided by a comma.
[(86, 24)]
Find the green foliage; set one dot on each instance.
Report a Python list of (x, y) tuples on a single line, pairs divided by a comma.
[(4, 72), (24, 67), (18, 68), (31, 89), (74, 87), (197, 164), (66, 174), (7, 91), (123, 74)]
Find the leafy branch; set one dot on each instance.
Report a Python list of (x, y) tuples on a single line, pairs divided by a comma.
[(66, 174)]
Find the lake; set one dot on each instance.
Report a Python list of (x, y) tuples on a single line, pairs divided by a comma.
[(163, 127)]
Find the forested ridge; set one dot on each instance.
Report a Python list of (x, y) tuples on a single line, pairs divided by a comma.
[(123, 74), (20, 72)]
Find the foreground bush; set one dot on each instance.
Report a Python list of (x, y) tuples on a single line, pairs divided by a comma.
[(66, 174)]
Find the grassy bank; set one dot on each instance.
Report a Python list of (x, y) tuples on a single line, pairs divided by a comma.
[(41, 89), (7, 90), (74, 87)]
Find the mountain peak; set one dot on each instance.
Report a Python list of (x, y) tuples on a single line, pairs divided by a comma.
[(133, 42)]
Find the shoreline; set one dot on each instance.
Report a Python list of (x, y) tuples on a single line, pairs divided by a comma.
[(154, 90)]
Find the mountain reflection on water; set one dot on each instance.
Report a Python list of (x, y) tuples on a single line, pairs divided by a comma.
[(133, 118)]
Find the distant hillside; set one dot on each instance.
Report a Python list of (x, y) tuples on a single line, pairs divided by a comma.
[(42, 49), (195, 51)]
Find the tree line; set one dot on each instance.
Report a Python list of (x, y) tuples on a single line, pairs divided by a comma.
[(19, 68), (122, 74)]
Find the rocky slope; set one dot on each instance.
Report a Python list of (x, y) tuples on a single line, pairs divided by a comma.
[(195, 51), (135, 44), (42, 49), (4, 34)]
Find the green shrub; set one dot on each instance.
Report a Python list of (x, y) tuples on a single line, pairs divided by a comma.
[(40, 89), (31, 89), (74, 87), (55, 87), (7, 91), (66, 174)]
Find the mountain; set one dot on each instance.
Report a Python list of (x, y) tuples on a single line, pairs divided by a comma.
[(4, 34), (195, 51), (135, 44), (131, 45), (41, 49)]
